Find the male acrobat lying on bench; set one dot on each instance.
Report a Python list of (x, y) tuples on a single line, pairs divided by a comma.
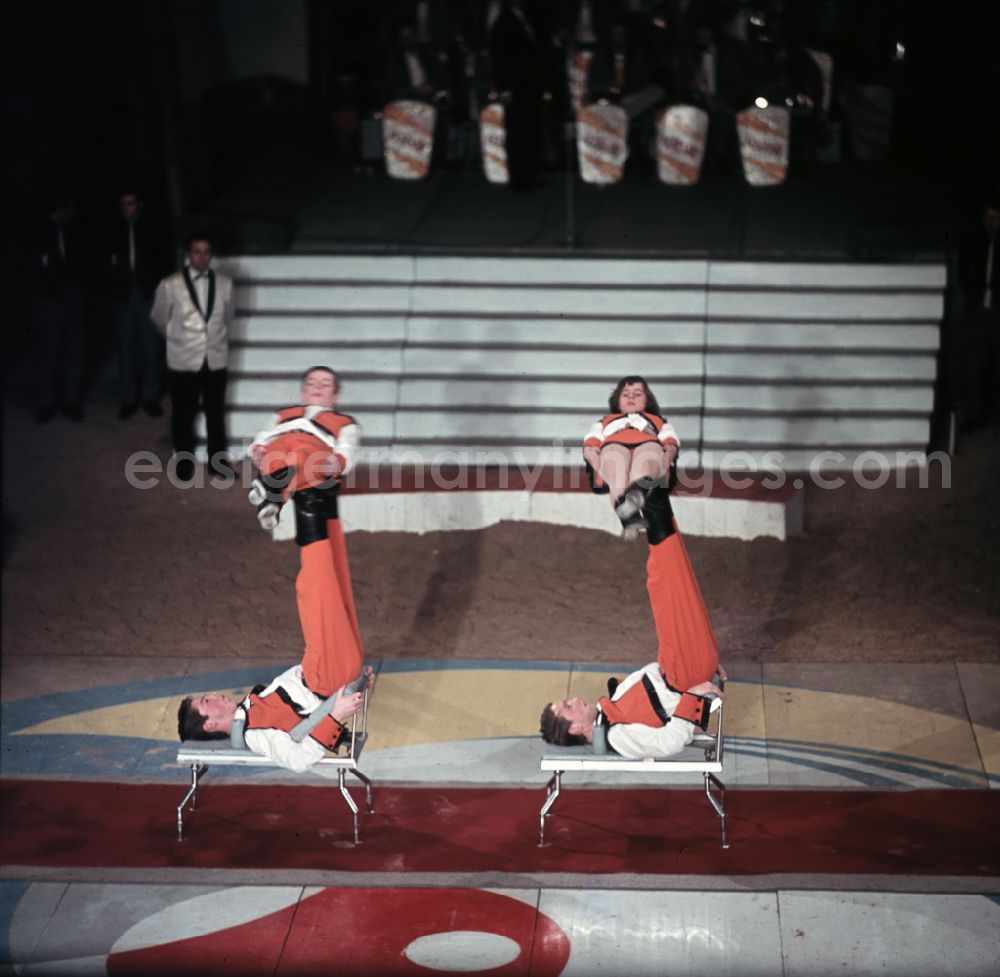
[(654, 711), (334, 653), (642, 716), (271, 713)]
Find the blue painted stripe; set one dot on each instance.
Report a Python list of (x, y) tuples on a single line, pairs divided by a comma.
[(11, 894), (21, 713), (869, 778), (879, 755), (897, 761)]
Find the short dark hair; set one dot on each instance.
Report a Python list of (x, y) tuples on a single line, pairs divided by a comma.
[(323, 369), (198, 235), (191, 723), (652, 407), (555, 729)]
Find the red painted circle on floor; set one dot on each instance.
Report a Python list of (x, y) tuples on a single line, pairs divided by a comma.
[(362, 932)]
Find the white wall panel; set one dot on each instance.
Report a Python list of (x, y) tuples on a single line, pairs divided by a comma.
[(611, 302), (564, 329), (881, 307), (591, 394), (323, 297), (762, 274), (284, 390), (562, 271), (806, 335), (319, 328), (820, 367), (249, 359), (816, 396)]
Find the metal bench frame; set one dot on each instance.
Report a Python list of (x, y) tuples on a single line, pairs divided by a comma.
[(199, 755), (580, 758)]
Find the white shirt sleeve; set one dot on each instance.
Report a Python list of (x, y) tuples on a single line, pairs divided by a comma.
[(262, 436), (283, 750), (348, 441), (636, 741), (668, 434), (595, 433)]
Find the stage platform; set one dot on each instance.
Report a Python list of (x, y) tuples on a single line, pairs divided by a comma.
[(886, 211), (860, 827), (433, 498)]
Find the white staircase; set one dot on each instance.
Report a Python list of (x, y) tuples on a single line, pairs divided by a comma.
[(490, 360)]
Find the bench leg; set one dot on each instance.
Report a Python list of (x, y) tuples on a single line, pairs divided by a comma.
[(368, 789), (341, 779), (720, 804), (552, 791), (192, 795)]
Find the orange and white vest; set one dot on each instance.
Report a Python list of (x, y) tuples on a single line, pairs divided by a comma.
[(295, 428), (631, 430), (641, 704), (278, 710)]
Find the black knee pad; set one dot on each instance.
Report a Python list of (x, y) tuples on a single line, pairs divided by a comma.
[(659, 515), (313, 507), (310, 516)]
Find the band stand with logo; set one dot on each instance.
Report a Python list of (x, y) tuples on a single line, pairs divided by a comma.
[(602, 143), (493, 143), (763, 134), (681, 134), (408, 138)]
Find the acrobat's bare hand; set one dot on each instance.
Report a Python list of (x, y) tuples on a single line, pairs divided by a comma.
[(347, 706), (370, 675), (722, 674), (707, 688)]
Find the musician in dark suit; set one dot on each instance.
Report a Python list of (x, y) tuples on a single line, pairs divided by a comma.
[(712, 72), (139, 259), (979, 278), (61, 337), (194, 309), (413, 69), (518, 53)]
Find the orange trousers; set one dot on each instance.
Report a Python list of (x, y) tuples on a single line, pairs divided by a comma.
[(334, 654), (687, 650)]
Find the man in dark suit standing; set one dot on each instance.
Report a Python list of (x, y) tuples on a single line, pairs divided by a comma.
[(139, 259), (61, 338), (979, 277)]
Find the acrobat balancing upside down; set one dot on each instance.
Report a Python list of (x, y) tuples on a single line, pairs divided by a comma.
[(302, 457), (655, 710)]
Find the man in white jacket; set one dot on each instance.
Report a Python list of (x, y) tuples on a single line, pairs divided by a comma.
[(194, 309)]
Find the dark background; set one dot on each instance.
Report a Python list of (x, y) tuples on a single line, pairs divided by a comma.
[(182, 99)]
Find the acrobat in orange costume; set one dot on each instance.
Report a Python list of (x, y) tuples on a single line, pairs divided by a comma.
[(687, 650), (294, 459)]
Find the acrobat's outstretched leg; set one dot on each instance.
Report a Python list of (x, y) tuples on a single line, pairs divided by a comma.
[(687, 649), (338, 550), (333, 655)]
